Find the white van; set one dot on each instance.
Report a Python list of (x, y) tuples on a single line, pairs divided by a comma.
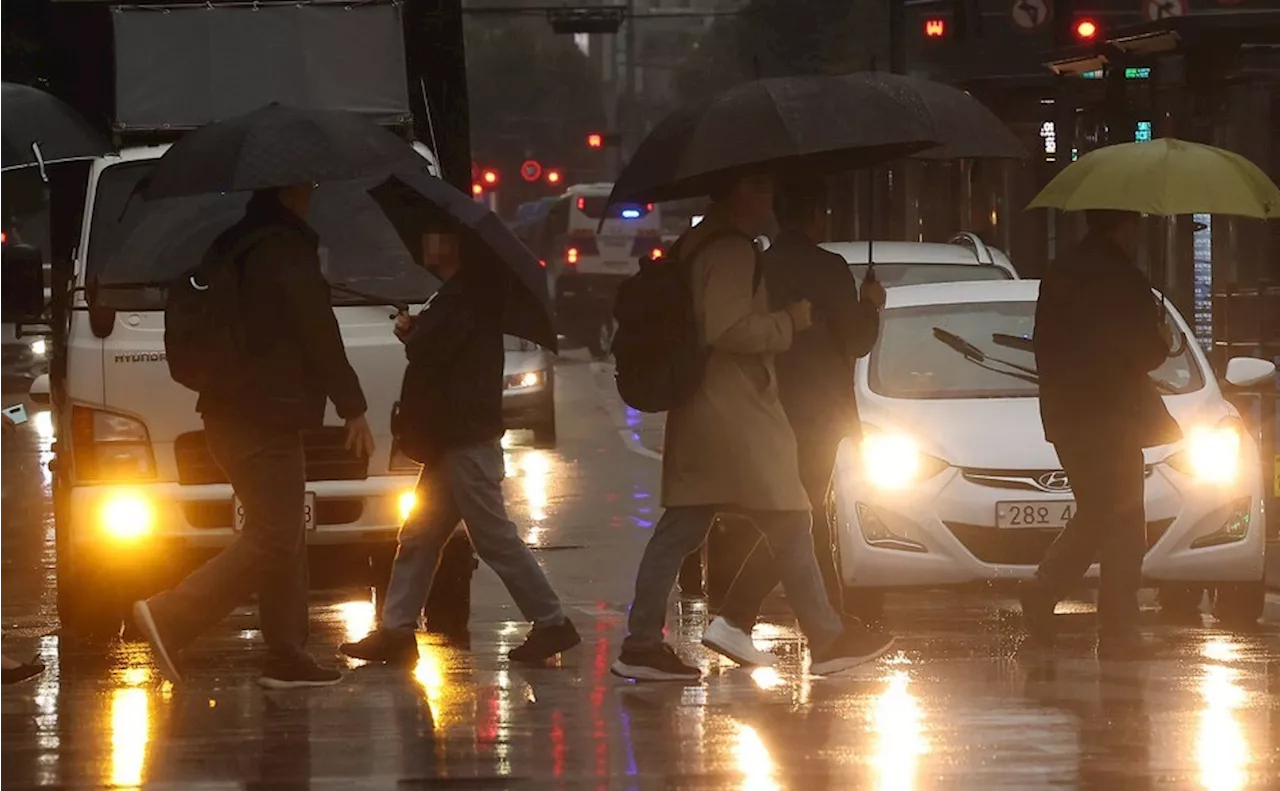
[(138, 500)]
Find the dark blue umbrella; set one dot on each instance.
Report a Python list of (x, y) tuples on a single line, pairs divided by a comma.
[(415, 201)]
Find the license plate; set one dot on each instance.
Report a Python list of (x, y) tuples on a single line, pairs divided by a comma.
[(308, 512), (1055, 513)]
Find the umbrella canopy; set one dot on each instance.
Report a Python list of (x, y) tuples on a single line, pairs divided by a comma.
[(821, 122), (414, 202), (41, 129), (278, 146), (1165, 177), (963, 125)]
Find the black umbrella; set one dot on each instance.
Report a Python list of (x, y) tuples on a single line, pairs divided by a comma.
[(821, 122), (40, 129), (415, 201), (278, 146), (964, 126)]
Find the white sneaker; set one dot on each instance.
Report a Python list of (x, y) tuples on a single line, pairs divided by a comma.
[(736, 644)]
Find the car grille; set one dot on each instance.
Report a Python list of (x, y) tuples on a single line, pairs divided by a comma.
[(1022, 480), (207, 515), (327, 458), (1023, 546)]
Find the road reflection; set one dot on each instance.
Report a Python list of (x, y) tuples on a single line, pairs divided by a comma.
[(753, 760), (898, 724), (130, 727), (1222, 749)]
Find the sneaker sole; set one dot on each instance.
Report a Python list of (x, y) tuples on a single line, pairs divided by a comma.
[(646, 673), (734, 656), (142, 617), (278, 683), (841, 664)]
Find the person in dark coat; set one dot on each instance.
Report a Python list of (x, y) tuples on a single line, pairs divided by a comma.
[(1099, 333), (453, 425), (815, 384), (253, 424)]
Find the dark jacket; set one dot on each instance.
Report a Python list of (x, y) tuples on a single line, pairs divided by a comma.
[(452, 393), (815, 376), (296, 360), (1097, 337)]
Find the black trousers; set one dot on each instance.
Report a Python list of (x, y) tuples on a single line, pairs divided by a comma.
[(1109, 526), (759, 574)]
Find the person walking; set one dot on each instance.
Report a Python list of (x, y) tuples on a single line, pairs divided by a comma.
[(815, 385), (729, 448), (1098, 333), (13, 670), (451, 421), (253, 423)]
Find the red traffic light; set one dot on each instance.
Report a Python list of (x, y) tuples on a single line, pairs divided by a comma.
[(1086, 29), (554, 177), (935, 28), (477, 189), (489, 177), (595, 140)]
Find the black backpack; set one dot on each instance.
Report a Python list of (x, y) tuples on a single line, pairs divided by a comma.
[(204, 326), (659, 359)]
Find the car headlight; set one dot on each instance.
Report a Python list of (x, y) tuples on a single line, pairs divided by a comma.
[(1211, 453), (39, 347), (127, 515), (525, 380), (894, 461), (408, 503), (109, 446)]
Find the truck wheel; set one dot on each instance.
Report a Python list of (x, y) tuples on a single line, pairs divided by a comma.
[(1239, 604)]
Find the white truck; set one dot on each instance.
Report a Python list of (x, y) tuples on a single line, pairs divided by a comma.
[(138, 500)]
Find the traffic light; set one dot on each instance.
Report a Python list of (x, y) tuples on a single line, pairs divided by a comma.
[(1086, 30), (554, 176), (595, 140), (489, 177), (477, 189), (935, 27)]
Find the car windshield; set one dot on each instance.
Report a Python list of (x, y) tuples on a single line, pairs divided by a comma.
[(909, 360), (134, 241), (908, 274)]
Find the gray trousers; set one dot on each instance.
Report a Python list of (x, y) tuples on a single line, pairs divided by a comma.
[(268, 472), (465, 485), (682, 530)]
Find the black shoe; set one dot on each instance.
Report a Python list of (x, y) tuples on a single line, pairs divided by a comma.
[(15, 675), (545, 642), (855, 647), (1125, 647), (394, 646), (654, 664), (1037, 613), (295, 673)]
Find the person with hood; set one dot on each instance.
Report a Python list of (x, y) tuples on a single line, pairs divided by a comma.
[(1099, 332), (815, 384), (454, 427), (253, 423), (730, 449)]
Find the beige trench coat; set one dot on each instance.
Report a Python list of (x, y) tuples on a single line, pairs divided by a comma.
[(730, 444)]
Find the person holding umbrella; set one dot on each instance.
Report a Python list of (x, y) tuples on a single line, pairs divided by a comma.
[(1099, 332), (450, 420)]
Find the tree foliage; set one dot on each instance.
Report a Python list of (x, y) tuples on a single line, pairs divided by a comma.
[(773, 38)]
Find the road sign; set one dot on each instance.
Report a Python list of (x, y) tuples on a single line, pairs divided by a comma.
[(1031, 14), (531, 170), (1155, 10)]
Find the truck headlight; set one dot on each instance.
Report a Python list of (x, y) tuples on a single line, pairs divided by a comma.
[(127, 515), (894, 461), (109, 446), (1211, 453), (39, 347)]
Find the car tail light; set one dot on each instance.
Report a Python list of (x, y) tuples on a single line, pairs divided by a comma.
[(656, 253), (571, 256), (109, 446)]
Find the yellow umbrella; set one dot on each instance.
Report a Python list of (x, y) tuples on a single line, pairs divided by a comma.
[(1165, 176)]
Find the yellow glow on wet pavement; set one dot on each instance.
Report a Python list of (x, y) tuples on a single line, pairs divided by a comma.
[(357, 618), (1222, 750), (130, 732), (753, 760), (898, 724)]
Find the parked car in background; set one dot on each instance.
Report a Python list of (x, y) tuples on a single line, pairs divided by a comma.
[(964, 257), (954, 483), (529, 389)]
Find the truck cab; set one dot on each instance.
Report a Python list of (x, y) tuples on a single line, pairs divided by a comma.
[(138, 499)]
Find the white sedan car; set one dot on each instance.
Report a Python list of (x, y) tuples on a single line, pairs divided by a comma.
[(954, 482)]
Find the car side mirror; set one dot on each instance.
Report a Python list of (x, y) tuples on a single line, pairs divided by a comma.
[(22, 299), (1249, 371), (39, 392)]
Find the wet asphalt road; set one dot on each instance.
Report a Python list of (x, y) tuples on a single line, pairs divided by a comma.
[(951, 708)]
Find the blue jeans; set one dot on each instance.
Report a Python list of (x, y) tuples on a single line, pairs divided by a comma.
[(682, 530), (465, 485)]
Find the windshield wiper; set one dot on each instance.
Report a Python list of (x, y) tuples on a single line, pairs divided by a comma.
[(981, 359)]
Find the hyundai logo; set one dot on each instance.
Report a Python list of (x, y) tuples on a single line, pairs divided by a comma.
[(1055, 481)]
